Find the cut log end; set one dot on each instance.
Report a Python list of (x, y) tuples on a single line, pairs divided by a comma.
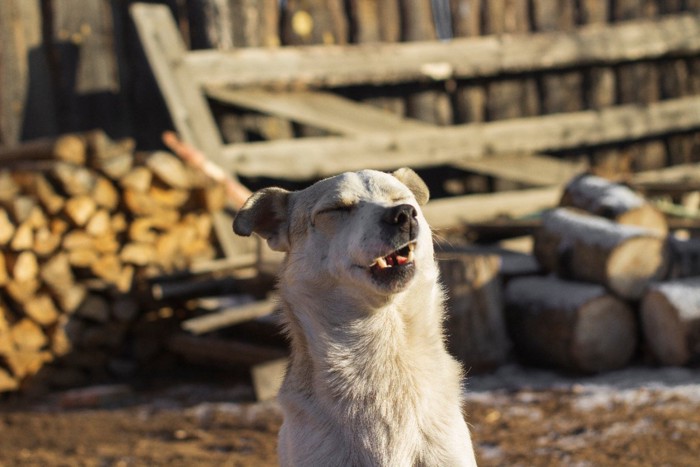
[(665, 336), (645, 216), (634, 264), (605, 335)]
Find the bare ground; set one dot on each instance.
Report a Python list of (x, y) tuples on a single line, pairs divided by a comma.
[(519, 416)]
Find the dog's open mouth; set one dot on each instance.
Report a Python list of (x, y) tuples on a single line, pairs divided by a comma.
[(394, 269)]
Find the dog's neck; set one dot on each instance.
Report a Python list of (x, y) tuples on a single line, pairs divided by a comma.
[(333, 318), (355, 336)]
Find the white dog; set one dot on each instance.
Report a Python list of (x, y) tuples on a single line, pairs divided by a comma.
[(369, 382)]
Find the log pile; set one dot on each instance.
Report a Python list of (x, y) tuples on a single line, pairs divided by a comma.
[(81, 219), (609, 255)]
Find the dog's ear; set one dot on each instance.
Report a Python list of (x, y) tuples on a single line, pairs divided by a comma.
[(265, 213), (414, 183)]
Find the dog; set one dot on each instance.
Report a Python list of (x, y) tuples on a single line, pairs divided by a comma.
[(369, 382)]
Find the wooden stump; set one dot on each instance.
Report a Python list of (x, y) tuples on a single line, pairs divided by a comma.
[(671, 321), (571, 325), (475, 326), (589, 248), (613, 201)]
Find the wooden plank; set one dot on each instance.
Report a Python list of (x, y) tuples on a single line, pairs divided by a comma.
[(224, 352), (186, 103), (320, 109), (526, 168), (309, 158), (229, 316), (334, 65), (449, 213)]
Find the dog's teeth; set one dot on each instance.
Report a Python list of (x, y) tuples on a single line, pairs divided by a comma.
[(409, 258), (411, 247), (381, 262)]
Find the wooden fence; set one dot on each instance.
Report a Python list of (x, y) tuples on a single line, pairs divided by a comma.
[(71, 65)]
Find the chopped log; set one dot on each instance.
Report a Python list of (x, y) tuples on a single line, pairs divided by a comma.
[(23, 238), (570, 325), (138, 179), (58, 276), (169, 169), (229, 316), (75, 180), (8, 187), (99, 224), (218, 351), (117, 166), (612, 201), (20, 207), (80, 208), (45, 242), (23, 267), (105, 194), (670, 314), (139, 254), (47, 195), (27, 335), (579, 246), (7, 228), (113, 158), (67, 148), (22, 291), (42, 310), (475, 325), (169, 197), (24, 363)]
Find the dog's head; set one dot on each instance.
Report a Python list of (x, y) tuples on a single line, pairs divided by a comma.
[(358, 228)]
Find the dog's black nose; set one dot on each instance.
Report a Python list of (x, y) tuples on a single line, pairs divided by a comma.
[(400, 216)]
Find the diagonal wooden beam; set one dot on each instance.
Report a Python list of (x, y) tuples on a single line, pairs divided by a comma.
[(308, 158), (323, 110)]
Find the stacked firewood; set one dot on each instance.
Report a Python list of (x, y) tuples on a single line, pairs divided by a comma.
[(609, 255), (81, 219)]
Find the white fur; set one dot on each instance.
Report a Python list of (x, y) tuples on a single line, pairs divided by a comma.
[(370, 382)]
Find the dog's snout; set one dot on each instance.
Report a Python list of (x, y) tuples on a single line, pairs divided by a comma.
[(400, 216)]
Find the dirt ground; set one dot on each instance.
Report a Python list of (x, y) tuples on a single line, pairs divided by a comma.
[(519, 416)]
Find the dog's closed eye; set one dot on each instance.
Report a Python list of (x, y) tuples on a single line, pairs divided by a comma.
[(332, 212), (337, 209)]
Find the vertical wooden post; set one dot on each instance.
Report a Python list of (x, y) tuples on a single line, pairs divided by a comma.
[(470, 99), (306, 22), (428, 105), (509, 97), (371, 22), (559, 91), (639, 83), (600, 91), (675, 78)]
